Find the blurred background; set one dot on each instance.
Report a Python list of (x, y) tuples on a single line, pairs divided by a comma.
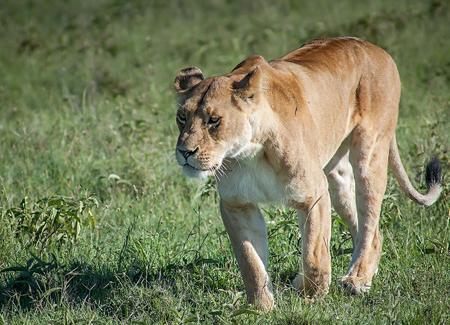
[(97, 222)]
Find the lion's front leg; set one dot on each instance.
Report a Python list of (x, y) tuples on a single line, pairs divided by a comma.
[(247, 230), (315, 268)]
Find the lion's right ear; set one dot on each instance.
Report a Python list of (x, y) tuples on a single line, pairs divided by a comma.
[(187, 78), (249, 87)]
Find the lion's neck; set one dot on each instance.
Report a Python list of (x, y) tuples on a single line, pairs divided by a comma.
[(264, 123)]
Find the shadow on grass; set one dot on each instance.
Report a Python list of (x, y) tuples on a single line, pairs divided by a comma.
[(40, 282)]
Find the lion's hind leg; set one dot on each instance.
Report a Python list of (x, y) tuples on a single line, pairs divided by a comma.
[(369, 158), (342, 190)]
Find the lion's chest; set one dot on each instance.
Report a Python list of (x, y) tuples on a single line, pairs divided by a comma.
[(252, 181)]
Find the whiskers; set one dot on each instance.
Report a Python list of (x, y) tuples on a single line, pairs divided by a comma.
[(221, 171)]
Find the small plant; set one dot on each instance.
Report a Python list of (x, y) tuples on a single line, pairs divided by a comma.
[(55, 219)]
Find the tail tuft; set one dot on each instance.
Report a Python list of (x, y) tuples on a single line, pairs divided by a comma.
[(433, 173)]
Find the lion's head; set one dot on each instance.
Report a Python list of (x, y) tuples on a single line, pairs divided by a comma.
[(215, 118)]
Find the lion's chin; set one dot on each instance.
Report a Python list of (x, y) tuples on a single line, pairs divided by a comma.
[(191, 172)]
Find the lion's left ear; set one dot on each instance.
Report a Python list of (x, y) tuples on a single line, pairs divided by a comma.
[(249, 86), (187, 78)]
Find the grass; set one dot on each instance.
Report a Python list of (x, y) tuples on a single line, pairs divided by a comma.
[(87, 110)]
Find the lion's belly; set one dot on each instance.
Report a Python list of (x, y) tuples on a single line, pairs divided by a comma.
[(252, 181)]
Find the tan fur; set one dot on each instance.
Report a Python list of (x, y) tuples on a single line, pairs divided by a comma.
[(320, 118)]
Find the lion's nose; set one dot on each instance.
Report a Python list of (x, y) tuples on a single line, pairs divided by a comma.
[(187, 153)]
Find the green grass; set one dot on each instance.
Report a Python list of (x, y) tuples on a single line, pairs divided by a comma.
[(87, 108)]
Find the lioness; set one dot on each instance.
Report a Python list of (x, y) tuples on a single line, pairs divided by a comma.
[(313, 128)]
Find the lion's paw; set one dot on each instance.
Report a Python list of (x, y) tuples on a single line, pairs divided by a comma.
[(264, 301), (310, 288), (355, 286)]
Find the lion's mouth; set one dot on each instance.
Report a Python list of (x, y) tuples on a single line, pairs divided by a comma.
[(194, 168), (211, 169)]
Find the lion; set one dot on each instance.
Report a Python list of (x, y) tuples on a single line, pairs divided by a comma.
[(310, 130)]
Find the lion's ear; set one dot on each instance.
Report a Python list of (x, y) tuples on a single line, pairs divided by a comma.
[(250, 85), (187, 78)]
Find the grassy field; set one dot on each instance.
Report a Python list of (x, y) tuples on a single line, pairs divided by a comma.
[(111, 232)]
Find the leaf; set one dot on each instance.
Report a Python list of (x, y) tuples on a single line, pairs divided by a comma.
[(245, 311), (50, 291), (113, 177), (81, 206), (191, 319), (78, 229)]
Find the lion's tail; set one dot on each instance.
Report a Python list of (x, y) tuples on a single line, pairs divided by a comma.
[(432, 177)]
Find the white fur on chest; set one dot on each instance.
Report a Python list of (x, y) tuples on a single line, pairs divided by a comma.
[(252, 181)]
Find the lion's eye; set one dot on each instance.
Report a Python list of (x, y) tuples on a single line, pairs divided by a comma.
[(181, 118), (214, 121)]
